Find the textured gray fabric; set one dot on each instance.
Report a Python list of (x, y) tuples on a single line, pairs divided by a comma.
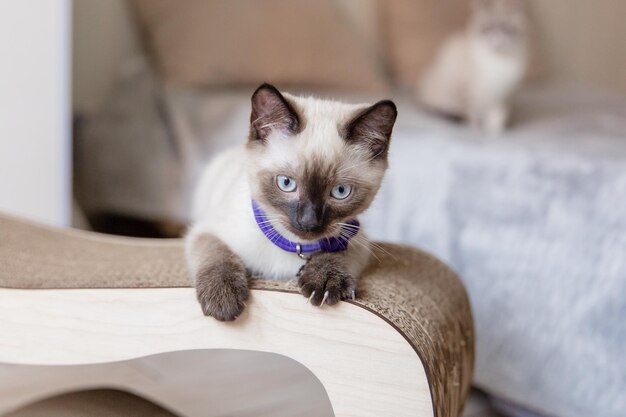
[(534, 222), (535, 225)]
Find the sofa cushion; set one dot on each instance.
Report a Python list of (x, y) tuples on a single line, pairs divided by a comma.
[(295, 42), (413, 30)]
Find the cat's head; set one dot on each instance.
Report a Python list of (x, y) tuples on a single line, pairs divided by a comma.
[(313, 164), (501, 24)]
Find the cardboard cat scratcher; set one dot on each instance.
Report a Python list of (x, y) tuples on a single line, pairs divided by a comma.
[(404, 347)]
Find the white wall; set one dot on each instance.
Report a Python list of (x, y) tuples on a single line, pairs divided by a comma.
[(34, 110)]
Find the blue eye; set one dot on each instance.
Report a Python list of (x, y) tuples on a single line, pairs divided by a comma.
[(285, 183), (340, 191)]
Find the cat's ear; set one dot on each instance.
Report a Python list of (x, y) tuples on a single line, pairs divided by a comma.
[(371, 128), (271, 112)]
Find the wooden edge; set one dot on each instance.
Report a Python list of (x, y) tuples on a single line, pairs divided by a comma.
[(355, 303), (366, 366), (389, 322)]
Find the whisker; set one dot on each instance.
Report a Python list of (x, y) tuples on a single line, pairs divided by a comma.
[(382, 249), (348, 225), (365, 244)]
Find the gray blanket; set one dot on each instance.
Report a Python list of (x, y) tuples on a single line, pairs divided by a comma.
[(535, 224)]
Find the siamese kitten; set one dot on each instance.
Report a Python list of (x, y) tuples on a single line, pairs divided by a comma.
[(476, 71), (285, 204)]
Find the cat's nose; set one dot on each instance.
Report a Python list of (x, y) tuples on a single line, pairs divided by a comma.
[(309, 219)]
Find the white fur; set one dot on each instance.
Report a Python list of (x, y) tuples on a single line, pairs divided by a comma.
[(222, 204), (472, 78)]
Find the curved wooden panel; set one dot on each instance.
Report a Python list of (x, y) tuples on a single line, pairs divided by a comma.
[(366, 366), (414, 299), (196, 383)]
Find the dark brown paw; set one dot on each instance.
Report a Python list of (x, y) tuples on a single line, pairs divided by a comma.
[(325, 279), (222, 290)]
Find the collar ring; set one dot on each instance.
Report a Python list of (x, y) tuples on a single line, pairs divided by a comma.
[(300, 254)]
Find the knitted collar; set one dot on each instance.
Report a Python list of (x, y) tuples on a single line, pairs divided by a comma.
[(331, 244)]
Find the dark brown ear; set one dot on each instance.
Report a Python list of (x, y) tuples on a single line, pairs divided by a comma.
[(271, 112), (372, 127)]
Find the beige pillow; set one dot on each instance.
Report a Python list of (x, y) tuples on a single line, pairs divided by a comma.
[(413, 31), (234, 42)]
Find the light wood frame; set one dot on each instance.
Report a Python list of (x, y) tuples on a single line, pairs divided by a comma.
[(403, 348)]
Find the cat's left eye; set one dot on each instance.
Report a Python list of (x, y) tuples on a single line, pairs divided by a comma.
[(341, 191)]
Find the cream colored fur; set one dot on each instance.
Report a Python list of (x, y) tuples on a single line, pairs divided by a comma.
[(476, 71), (222, 204)]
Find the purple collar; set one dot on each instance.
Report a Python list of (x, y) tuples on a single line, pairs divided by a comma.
[(331, 244)]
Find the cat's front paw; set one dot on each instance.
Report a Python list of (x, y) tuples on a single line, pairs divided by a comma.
[(324, 279), (222, 290)]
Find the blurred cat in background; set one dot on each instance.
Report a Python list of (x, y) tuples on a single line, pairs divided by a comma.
[(476, 71)]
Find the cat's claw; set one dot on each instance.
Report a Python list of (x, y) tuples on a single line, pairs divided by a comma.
[(300, 271), (310, 297), (325, 297), (325, 280)]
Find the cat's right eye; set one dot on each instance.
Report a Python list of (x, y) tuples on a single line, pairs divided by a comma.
[(285, 183)]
